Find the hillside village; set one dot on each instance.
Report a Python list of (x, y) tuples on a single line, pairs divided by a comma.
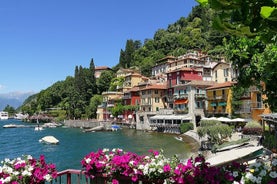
[(181, 89)]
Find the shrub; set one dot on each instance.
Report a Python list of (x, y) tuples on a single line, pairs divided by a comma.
[(184, 127), (252, 128)]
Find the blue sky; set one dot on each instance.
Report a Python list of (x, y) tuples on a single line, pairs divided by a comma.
[(41, 41)]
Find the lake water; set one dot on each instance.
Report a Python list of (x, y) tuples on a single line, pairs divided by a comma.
[(75, 144)]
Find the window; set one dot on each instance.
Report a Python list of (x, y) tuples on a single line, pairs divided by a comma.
[(149, 101), (178, 80), (143, 92), (157, 108), (214, 94), (215, 74), (226, 72), (157, 100), (149, 92), (156, 92)]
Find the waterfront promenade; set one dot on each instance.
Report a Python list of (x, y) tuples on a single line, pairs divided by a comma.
[(237, 153)]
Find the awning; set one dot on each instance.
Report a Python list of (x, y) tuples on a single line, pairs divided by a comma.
[(213, 104), (183, 101), (222, 103), (170, 117)]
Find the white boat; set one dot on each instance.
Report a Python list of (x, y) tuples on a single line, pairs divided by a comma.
[(10, 126), (4, 115), (179, 138), (38, 128), (49, 140)]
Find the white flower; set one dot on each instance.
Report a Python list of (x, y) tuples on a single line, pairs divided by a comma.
[(106, 150), (26, 173), (88, 160), (274, 162), (47, 177), (263, 173), (235, 173), (131, 163), (15, 173), (29, 157), (259, 180), (273, 174), (7, 180)]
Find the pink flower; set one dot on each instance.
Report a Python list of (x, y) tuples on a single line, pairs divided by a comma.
[(167, 168), (114, 181)]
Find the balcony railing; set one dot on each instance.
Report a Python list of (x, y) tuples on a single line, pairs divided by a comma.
[(71, 176), (180, 96), (199, 95)]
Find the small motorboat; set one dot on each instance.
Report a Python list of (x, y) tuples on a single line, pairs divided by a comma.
[(179, 138), (49, 140), (9, 126), (115, 127)]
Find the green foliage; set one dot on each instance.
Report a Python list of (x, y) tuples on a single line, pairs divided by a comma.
[(104, 81), (252, 128), (270, 141), (95, 101), (116, 82), (184, 127), (245, 18), (11, 110), (237, 93), (215, 130)]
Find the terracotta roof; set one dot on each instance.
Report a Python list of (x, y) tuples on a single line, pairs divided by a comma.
[(221, 85), (201, 83), (102, 68), (155, 86), (133, 89)]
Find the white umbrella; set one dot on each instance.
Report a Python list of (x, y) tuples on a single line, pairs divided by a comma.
[(224, 119), (238, 120), (130, 116), (211, 118)]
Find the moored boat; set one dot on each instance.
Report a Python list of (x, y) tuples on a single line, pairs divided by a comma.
[(10, 126), (49, 140)]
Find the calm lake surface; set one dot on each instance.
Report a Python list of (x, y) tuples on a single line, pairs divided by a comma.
[(75, 144)]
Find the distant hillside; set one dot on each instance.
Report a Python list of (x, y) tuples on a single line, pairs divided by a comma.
[(14, 99)]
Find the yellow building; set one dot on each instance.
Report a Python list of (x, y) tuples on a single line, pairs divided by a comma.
[(257, 105), (151, 98), (131, 80), (219, 98)]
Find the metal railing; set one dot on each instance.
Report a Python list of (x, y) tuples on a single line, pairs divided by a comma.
[(71, 176)]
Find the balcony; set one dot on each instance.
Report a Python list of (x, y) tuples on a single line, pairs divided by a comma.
[(219, 97), (199, 95), (125, 97), (181, 111), (180, 96), (257, 105)]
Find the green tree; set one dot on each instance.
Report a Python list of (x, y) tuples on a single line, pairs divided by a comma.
[(95, 101), (104, 81), (215, 130), (11, 110), (245, 18)]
